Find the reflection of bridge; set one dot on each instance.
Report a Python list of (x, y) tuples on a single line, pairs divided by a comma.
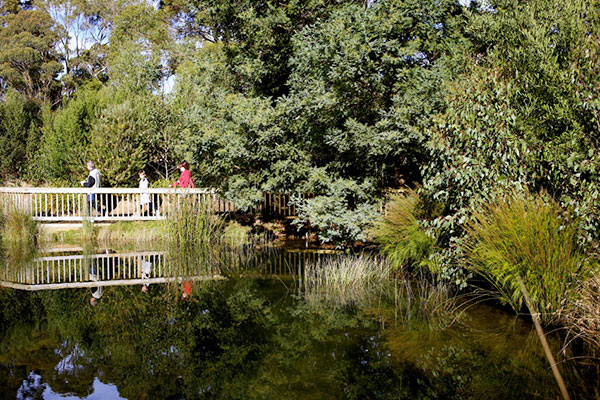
[(137, 268), (80, 271)]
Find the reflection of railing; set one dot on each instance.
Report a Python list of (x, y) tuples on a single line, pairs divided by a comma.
[(105, 204), (76, 271)]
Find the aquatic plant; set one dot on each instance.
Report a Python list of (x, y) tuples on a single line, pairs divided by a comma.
[(18, 226), (345, 280), (529, 238), (399, 233)]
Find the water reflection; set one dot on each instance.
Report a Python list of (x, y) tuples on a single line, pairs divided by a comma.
[(110, 268), (249, 335)]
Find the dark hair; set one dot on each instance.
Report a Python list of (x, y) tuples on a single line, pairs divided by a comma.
[(141, 171), (184, 164)]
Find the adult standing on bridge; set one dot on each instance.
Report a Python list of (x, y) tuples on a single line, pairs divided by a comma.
[(93, 181), (185, 179)]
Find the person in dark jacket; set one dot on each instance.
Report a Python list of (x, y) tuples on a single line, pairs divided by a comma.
[(93, 181)]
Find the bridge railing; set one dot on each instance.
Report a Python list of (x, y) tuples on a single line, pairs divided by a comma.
[(131, 204), (105, 204)]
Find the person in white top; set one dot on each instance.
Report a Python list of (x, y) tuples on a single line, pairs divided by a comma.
[(144, 197), (93, 181)]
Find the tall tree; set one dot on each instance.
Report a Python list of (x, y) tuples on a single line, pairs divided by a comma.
[(29, 62)]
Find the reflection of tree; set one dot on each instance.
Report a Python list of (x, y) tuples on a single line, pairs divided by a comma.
[(143, 343), (240, 339)]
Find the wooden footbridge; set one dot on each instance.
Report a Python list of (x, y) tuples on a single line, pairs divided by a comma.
[(124, 204)]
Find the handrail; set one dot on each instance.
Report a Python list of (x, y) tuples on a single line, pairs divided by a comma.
[(30, 199), (69, 190), (107, 204)]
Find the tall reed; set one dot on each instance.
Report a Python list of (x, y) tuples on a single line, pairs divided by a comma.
[(399, 233), (346, 280), (527, 238), (193, 234), (20, 233)]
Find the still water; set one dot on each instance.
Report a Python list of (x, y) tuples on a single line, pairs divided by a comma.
[(243, 328)]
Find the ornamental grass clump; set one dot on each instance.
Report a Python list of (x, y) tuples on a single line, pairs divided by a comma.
[(398, 231), (345, 281), (528, 239)]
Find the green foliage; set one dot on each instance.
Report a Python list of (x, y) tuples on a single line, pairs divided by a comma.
[(117, 144), (66, 136), (16, 133), (336, 222), (28, 62), (398, 231), (257, 36), (531, 239), (477, 150), (546, 51)]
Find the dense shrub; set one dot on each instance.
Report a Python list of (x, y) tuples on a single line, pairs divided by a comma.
[(16, 127)]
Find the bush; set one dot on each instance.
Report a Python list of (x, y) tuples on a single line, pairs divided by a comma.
[(336, 222), (66, 136), (527, 238), (16, 121)]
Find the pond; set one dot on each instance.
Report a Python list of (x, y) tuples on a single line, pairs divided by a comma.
[(244, 327)]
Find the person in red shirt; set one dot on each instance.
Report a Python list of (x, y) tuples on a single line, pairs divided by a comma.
[(185, 179)]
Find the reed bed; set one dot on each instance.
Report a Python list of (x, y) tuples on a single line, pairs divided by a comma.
[(20, 234), (345, 280)]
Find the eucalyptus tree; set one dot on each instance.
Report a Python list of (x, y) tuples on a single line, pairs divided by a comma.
[(29, 62)]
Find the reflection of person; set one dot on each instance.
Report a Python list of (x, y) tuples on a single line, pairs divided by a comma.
[(144, 197), (93, 181), (146, 269), (186, 287), (98, 291), (185, 179)]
